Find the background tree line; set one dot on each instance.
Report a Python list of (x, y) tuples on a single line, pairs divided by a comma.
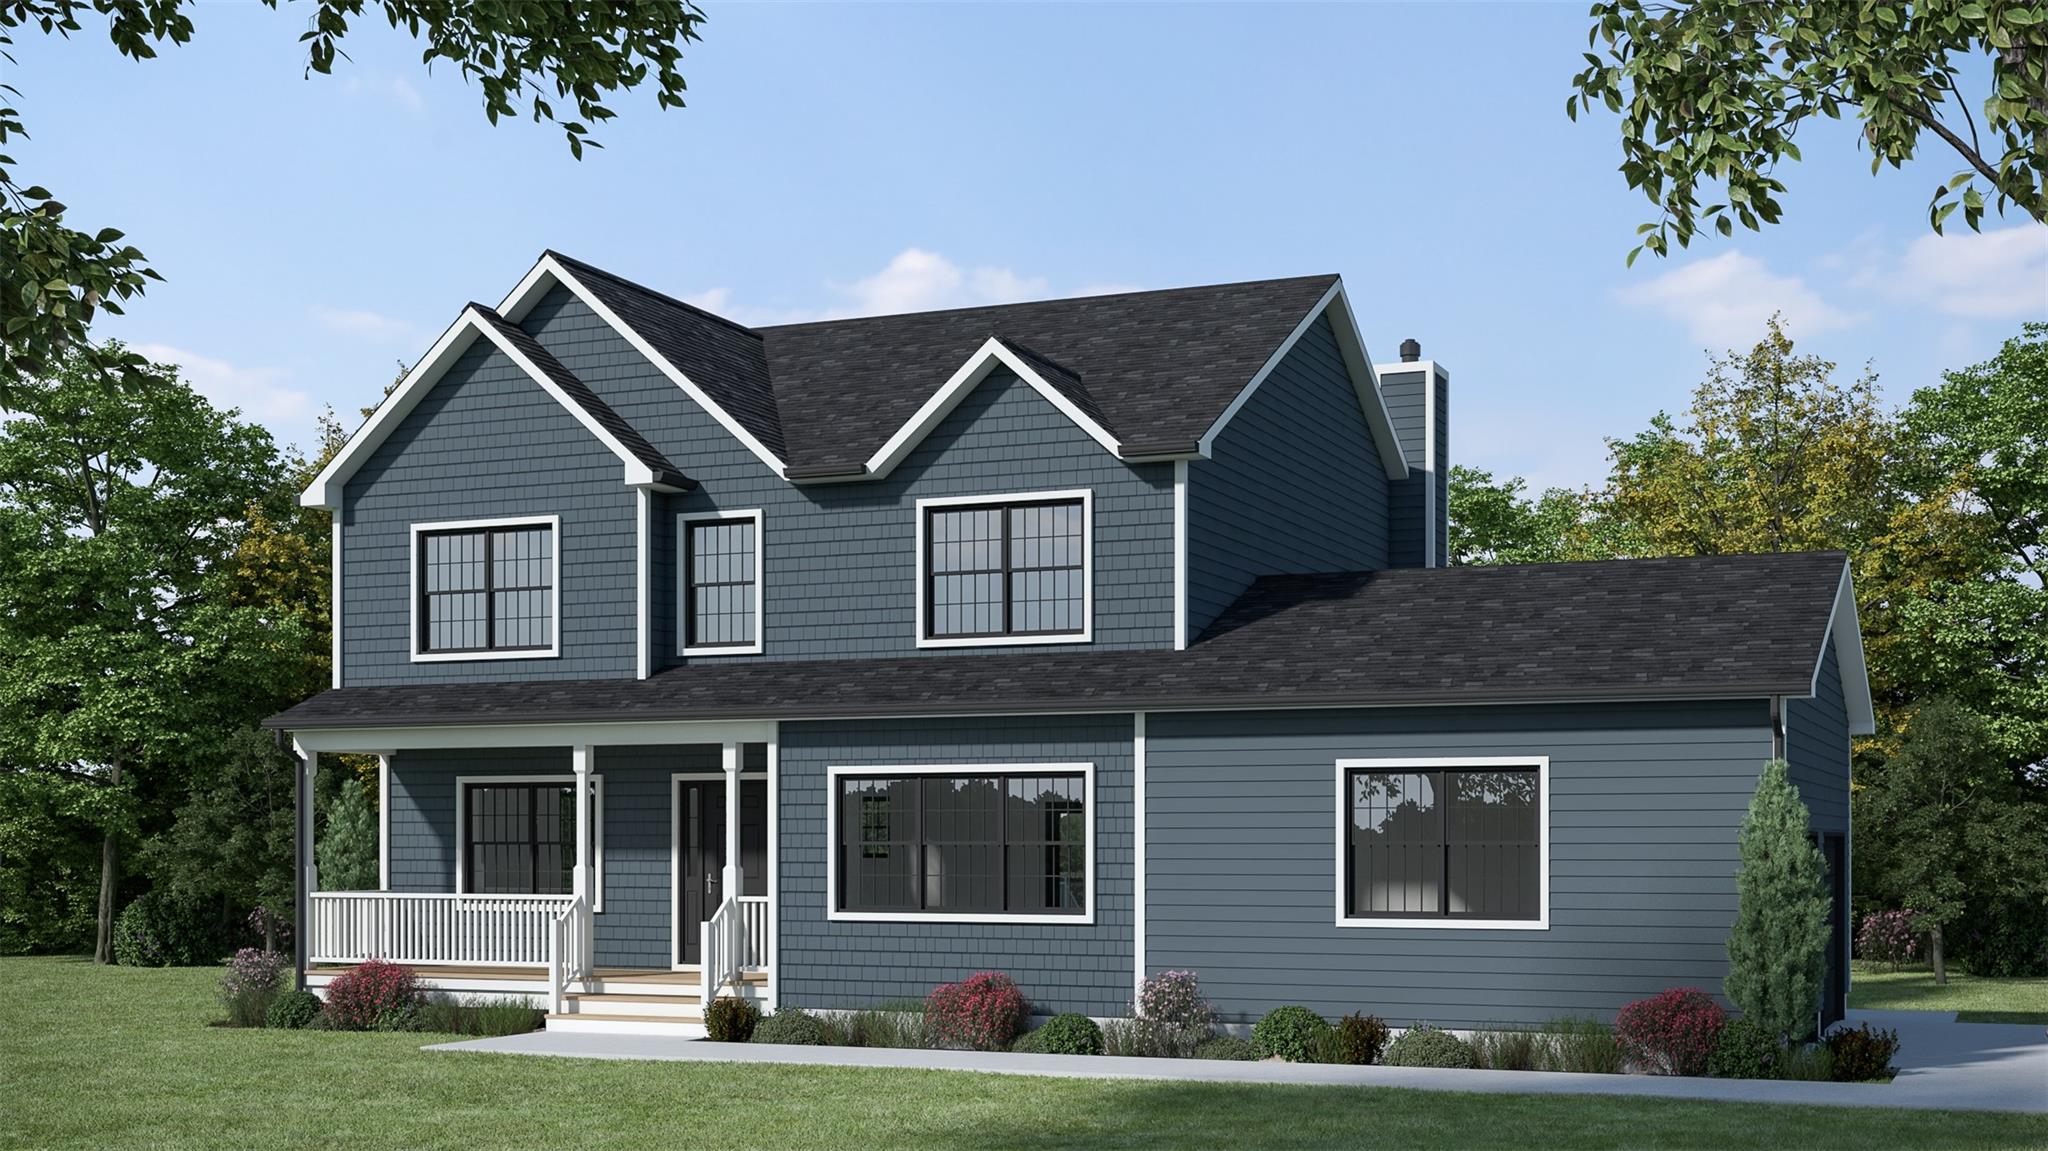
[(1942, 506)]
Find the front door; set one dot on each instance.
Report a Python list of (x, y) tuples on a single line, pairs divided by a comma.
[(700, 842)]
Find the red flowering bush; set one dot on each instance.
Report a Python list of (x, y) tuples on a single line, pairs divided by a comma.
[(1673, 1033), (375, 995), (1888, 937), (984, 1011)]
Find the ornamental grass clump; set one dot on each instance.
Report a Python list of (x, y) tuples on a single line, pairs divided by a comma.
[(1671, 1033), (983, 1012), (1507, 1049), (373, 996), (1888, 937), (1583, 1046), (252, 981)]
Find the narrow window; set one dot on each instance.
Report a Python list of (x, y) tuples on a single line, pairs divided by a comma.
[(1006, 569), (1444, 844), (520, 838), (1001, 844), (487, 589), (720, 559)]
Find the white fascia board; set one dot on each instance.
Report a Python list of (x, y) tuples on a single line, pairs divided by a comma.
[(325, 490), (1845, 631), (1351, 346), (985, 360), (549, 271)]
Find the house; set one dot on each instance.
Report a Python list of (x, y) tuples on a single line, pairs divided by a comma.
[(1081, 640)]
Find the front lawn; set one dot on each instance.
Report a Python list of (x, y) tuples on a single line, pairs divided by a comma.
[(1974, 1000), (96, 1057)]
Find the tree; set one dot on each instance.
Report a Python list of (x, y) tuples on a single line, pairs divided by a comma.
[(1494, 523), (1711, 94), (1777, 950), (347, 853), (56, 277), (230, 845), (119, 505)]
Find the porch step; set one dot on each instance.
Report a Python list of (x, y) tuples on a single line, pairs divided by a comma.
[(680, 1026), (665, 1006)]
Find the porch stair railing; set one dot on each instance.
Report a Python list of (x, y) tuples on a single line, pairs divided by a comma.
[(569, 951), (719, 945)]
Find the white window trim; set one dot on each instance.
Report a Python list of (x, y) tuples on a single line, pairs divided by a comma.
[(675, 856), (683, 583), (1087, 632), (1542, 765), (834, 773), (412, 589), (462, 783)]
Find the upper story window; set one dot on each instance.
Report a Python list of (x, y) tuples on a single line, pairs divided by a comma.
[(1015, 569), (1459, 845), (721, 610), (485, 589)]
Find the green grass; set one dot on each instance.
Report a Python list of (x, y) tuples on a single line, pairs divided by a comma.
[(114, 1057), (1974, 1000)]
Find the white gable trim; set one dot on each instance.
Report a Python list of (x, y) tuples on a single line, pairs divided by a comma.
[(1845, 631), (325, 490), (549, 271), (1352, 347), (986, 359)]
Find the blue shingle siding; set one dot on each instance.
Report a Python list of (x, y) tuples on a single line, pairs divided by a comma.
[(1295, 484), (821, 963), (1817, 747), (1645, 807), (423, 832), (487, 442), (841, 559)]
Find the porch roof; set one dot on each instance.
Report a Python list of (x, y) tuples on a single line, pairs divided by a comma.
[(1718, 627)]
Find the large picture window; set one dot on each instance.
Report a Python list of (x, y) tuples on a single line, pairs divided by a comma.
[(1014, 570), (484, 590), (519, 837), (965, 842), (722, 584), (1461, 844)]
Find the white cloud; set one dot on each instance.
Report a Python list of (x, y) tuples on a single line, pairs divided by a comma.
[(915, 280), (259, 393), (1994, 275), (360, 324), (397, 89), (1724, 300)]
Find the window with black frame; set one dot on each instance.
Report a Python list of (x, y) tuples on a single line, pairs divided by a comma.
[(1444, 843), (1005, 569), (486, 589), (719, 592), (520, 838), (996, 844)]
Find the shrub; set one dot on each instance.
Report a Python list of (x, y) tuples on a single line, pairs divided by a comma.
[(1806, 1061), (1744, 1051), (373, 995), (1426, 1046), (1294, 1033), (1030, 1043), (1070, 1034), (1225, 1047), (983, 1012), (1580, 1046), (1777, 949), (1671, 1033), (2003, 939), (252, 980), (157, 930), (1507, 1049), (1174, 998), (1888, 937), (730, 1019), (1357, 1039), (792, 1025), (401, 1017), (1859, 1055), (293, 1010)]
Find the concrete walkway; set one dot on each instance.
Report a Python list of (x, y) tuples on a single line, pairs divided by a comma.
[(1942, 1064)]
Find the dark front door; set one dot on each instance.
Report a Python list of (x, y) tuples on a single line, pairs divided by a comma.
[(700, 840), (1835, 984)]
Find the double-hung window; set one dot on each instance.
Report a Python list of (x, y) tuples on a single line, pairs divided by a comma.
[(519, 836), (721, 592), (963, 843), (1457, 843), (485, 589), (1010, 570)]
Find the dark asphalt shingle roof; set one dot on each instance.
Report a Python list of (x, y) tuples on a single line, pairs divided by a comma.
[(1714, 627)]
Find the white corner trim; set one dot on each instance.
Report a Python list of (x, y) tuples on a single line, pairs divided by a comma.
[(334, 602), (548, 271), (1137, 853), (325, 490), (412, 589), (1845, 631), (992, 354), (683, 584), (1357, 363), (384, 822), (1087, 632), (462, 783), (773, 988), (642, 580), (1542, 765), (834, 773), (1180, 555)]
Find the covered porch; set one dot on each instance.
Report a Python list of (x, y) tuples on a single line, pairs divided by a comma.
[(617, 873)]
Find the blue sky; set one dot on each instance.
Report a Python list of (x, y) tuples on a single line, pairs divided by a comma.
[(838, 159)]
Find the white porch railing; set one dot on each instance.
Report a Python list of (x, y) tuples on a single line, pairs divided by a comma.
[(569, 950), (435, 928), (734, 939), (753, 945)]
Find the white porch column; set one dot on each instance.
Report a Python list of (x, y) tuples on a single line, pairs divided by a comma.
[(580, 876), (303, 945), (729, 878)]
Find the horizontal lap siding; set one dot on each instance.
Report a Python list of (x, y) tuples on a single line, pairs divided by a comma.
[(1817, 748), (1645, 807), (1295, 484), (487, 442), (1060, 967)]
